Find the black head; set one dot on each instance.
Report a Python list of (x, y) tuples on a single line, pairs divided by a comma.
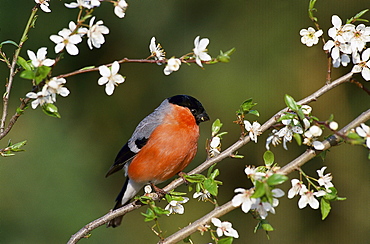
[(192, 104)]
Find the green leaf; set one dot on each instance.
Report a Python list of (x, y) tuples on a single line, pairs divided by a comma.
[(176, 193), (17, 146), (263, 225), (51, 110), (291, 103), (194, 178), (325, 208), (268, 158), (88, 67), (287, 116), (160, 211), (357, 17), (25, 64), (216, 126), (27, 74), (221, 134), (254, 112), (276, 179), (211, 186), (226, 240), (149, 215), (247, 105), (224, 57), (8, 42), (214, 174), (266, 225), (41, 73), (297, 137), (259, 190)]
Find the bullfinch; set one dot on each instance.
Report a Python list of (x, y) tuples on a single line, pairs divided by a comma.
[(162, 145)]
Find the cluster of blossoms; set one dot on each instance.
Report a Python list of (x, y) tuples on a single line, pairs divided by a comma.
[(304, 127), (120, 6), (173, 64), (48, 92), (309, 196), (347, 40), (69, 38), (260, 205), (52, 87)]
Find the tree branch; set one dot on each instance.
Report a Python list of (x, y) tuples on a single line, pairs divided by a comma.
[(83, 232)]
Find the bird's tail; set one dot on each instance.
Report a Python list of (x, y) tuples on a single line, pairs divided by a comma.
[(129, 190)]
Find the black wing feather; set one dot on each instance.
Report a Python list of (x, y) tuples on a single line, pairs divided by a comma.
[(125, 155)]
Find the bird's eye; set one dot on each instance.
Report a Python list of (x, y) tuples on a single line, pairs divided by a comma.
[(193, 110)]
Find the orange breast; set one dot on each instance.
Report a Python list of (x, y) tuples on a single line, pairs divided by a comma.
[(170, 148)]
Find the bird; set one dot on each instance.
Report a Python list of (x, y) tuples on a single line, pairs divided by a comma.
[(161, 146)]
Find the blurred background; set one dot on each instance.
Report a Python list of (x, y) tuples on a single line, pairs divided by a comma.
[(57, 185)]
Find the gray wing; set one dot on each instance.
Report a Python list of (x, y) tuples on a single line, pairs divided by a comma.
[(140, 137)]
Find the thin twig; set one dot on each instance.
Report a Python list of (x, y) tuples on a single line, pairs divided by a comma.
[(9, 83), (205, 165)]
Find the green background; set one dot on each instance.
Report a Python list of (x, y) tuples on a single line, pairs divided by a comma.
[(57, 186)]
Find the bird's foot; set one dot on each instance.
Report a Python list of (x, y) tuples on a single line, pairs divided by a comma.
[(158, 190)]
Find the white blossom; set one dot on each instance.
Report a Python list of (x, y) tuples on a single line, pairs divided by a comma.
[(224, 228), (333, 125), (156, 50), (55, 86), (176, 206), (311, 136), (306, 109), (324, 180), (253, 174), (39, 59), (310, 36), (253, 129), (95, 33), (297, 188), (81, 31), (110, 77), (359, 36), (215, 146), (39, 99), (309, 198), (364, 131), (44, 5), (173, 64), (291, 126), (120, 8), (264, 207), (362, 64), (243, 199), (273, 138), (202, 195), (83, 4), (65, 39), (200, 50)]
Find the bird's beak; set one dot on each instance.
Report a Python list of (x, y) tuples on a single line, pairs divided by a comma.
[(202, 117)]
